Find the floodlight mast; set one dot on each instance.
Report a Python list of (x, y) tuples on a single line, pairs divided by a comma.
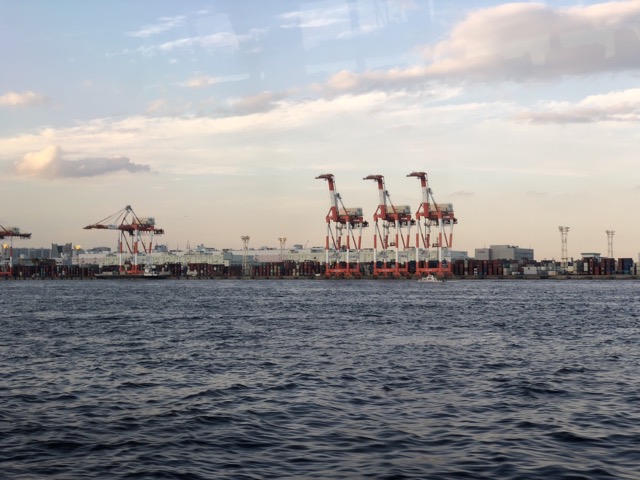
[(564, 230), (610, 234)]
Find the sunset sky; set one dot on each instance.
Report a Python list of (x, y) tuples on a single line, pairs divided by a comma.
[(216, 116)]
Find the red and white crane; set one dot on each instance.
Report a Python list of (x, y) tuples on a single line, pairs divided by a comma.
[(432, 214), (388, 216), (132, 231), (342, 222), (11, 233)]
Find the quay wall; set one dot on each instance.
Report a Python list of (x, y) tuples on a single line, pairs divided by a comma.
[(308, 269)]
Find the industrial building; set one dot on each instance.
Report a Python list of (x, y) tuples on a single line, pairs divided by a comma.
[(504, 252)]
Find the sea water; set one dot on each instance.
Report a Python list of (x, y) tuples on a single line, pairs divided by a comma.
[(338, 379)]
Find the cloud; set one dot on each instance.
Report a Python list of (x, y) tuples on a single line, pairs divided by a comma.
[(262, 102), (156, 105), (221, 40), (225, 41), (313, 18), (346, 81), (29, 98), (406, 80), (164, 24), (201, 81), (517, 42), (49, 163), (621, 106), (521, 41)]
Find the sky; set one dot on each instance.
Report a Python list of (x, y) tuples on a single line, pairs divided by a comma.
[(215, 118)]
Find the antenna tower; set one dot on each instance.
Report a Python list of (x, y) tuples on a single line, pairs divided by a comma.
[(563, 238), (610, 234)]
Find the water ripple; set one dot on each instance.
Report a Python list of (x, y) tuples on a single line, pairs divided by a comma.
[(289, 380)]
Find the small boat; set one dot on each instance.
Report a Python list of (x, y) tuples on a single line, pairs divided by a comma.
[(430, 279)]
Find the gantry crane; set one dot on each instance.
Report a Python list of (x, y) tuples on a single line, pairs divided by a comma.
[(131, 230), (342, 222), (11, 233), (389, 216), (430, 214)]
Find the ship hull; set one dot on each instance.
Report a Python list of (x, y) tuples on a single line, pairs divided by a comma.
[(131, 276)]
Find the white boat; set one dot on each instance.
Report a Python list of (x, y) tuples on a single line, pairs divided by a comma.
[(430, 279)]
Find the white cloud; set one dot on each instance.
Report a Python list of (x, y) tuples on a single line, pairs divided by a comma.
[(621, 106), (217, 144), (49, 163), (519, 41), (21, 99), (221, 40), (164, 24), (261, 102), (312, 18), (156, 105), (346, 81), (303, 134), (200, 81)]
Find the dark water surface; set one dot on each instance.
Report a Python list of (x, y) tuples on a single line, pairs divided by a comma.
[(320, 379)]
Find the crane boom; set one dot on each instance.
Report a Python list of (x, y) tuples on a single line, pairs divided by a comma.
[(13, 232), (126, 220)]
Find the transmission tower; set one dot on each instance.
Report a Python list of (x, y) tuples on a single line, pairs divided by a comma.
[(563, 237), (610, 234), (245, 255)]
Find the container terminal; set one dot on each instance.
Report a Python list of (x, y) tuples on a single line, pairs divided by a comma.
[(396, 252)]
